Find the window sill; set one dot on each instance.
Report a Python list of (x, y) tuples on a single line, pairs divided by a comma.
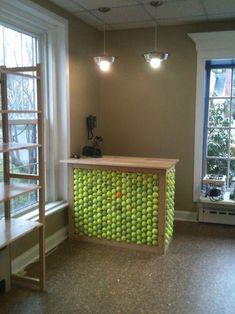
[(226, 201), (50, 209)]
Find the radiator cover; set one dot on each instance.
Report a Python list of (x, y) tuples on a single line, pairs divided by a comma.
[(218, 216)]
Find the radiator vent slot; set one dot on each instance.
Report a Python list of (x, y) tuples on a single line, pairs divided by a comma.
[(218, 216)]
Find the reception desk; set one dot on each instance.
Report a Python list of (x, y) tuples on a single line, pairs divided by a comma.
[(122, 201)]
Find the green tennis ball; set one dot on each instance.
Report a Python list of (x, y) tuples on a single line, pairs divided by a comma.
[(133, 217)]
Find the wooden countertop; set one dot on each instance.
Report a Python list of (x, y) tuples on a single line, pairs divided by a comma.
[(123, 161)]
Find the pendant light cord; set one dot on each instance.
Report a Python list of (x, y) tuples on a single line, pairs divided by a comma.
[(104, 39), (155, 32), (155, 36), (104, 10)]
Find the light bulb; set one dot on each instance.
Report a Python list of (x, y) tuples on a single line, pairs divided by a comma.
[(155, 63), (104, 65)]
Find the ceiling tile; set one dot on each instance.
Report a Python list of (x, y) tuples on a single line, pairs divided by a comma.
[(185, 20), (151, 23), (219, 6), (124, 15), (89, 19), (68, 5), (179, 8), (92, 5), (140, 24)]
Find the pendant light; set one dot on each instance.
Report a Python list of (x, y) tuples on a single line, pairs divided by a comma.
[(155, 58), (104, 62)]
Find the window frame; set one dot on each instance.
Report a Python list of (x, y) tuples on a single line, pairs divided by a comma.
[(221, 65), (51, 31), (209, 46)]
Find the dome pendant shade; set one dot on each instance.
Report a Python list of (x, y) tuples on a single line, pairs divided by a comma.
[(162, 56), (104, 62), (155, 58)]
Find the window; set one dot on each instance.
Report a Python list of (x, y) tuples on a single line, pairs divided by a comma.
[(20, 50), (30, 34), (219, 136), (209, 46)]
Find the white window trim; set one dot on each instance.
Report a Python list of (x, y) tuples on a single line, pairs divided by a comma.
[(50, 28), (213, 45)]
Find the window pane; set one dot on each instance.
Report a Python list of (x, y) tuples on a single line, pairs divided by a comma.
[(20, 50), (24, 200), (28, 45), (1, 46), (218, 113), (1, 210), (217, 166), (220, 82), (1, 135), (21, 92), (1, 167), (232, 143), (232, 172), (23, 133), (0, 93), (233, 113), (17, 49), (233, 82), (24, 161), (218, 140)]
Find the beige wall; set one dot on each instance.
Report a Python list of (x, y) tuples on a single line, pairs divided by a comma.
[(151, 113), (84, 81), (140, 112), (83, 46)]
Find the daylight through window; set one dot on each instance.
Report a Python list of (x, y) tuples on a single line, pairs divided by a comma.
[(20, 50), (219, 142)]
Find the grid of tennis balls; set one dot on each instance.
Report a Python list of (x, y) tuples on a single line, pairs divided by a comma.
[(118, 206), (170, 196)]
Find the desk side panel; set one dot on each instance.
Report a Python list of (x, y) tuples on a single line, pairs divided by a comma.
[(116, 205)]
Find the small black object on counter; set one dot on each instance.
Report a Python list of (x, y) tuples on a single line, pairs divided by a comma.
[(75, 156)]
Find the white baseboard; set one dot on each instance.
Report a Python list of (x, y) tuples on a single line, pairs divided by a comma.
[(186, 216), (30, 256)]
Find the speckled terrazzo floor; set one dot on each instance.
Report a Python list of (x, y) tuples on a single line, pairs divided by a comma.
[(197, 275)]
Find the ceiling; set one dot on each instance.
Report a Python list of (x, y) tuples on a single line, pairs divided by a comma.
[(126, 14)]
